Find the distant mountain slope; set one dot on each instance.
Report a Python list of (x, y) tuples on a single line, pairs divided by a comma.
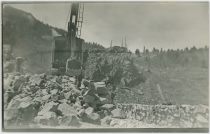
[(17, 23)]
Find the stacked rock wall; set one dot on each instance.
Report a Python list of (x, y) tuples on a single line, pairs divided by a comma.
[(168, 115)]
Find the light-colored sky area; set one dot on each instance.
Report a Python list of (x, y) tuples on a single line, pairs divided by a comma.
[(151, 24)]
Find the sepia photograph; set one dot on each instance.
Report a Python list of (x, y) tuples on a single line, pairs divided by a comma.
[(114, 66)]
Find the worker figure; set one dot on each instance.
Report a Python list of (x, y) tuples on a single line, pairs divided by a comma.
[(68, 63), (74, 68), (19, 64), (111, 87), (79, 78)]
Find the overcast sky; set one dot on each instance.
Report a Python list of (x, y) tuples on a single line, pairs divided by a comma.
[(151, 24)]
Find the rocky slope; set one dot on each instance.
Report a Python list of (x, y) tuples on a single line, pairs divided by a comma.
[(46, 101)]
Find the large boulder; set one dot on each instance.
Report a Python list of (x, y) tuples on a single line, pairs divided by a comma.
[(105, 100), (8, 95), (67, 110), (89, 110), (45, 97), (11, 112), (20, 110), (101, 89), (89, 99), (67, 95), (118, 123), (50, 106), (55, 97), (114, 123), (81, 113), (92, 118), (118, 113), (88, 115), (54, 91), (19, 80), (31, 88), (72, 79), (48, 118), (108, 107), (106, 120), (44, 91), (70, 121), (36, 80), (8, 82)]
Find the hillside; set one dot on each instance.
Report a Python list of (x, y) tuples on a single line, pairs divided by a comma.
[(31, 39), (181, 75), (169, 77), (28, 37)]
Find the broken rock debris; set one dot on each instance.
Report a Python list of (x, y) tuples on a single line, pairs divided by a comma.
[(48, 100), (54, 100)]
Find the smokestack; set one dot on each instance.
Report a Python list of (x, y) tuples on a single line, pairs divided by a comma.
[(125, 42), (122, 42)]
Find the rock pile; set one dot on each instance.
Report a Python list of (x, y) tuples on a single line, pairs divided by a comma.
[(47, 100)]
